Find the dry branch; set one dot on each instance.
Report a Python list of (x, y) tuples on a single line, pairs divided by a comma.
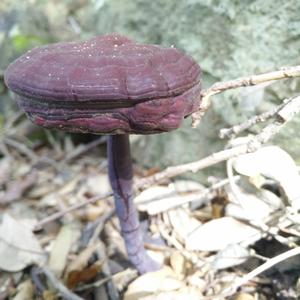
[(231, 132), (59, 286), (285, 114), (69, 209), (222, 86), (267, 265)]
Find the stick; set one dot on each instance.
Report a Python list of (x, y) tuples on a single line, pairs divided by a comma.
[(220, 87), (231, 132), (60, 214), (64, 291), (267, 265), (285, 114)]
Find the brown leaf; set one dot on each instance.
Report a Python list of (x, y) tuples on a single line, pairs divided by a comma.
[(84, 276)]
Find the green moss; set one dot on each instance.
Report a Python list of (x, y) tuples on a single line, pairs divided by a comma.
[(23, 42)]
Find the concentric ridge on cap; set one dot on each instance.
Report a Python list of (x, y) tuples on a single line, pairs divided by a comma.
[(108, 84)]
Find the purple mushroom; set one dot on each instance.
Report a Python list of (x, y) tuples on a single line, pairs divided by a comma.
[(109, 85)]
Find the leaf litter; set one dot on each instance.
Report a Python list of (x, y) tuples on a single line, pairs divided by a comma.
[(202, 252)]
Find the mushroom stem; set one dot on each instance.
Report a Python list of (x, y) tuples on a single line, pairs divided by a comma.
[(120, 175)]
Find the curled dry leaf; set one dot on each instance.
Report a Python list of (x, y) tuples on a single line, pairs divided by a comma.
[(185, 186), (158, 199), (218, 234), (273, 162), (19, 248)]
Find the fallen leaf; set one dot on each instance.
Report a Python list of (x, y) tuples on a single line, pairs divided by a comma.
[(25, 291), (98, 184), (84, 276), (185, 293), (219, 233), (81, 261), (185, 186), (252, 206), (244, 296), (232, 255), (60, 250), (158, 199), (19, 247), (272, 162), (178, 263), (153, 282), (183, 223)]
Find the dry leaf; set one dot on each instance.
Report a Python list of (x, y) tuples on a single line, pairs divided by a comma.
[(59, 253), (186, 293), (232, 255), (98, 184), (272, 162), (178, 263), (84, 276), (25, 291), (183, 224), (185, 186), (19, 248), (81, 261), (252, 206), (158, 199), (153, 282), (218, 234), (244, 296)]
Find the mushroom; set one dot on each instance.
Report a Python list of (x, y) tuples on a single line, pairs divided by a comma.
[(109, 85)]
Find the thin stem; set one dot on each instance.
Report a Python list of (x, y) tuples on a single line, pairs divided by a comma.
[(120, 175)]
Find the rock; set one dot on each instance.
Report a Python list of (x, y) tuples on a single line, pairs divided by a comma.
[(229, 39)]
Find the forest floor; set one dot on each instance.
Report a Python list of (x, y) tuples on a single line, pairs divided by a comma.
[(235, 238)]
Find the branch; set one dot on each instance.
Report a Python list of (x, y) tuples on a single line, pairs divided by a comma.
[(267, 265), (233, 131), (220, 87), (58, 286), (69, 209), (285, 114)]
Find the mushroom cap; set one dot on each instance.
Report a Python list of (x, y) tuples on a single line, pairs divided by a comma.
[(107, 84)]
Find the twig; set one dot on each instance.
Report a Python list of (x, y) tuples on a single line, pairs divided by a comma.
[(128, 273), (16, 189), (21, 147), (60, 214), (237, 129), (84, 148), (267, 265), (194, 167), (100, 225), (12, 121), (285, 114), (219, 87), (64, 291), (111, 288)]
